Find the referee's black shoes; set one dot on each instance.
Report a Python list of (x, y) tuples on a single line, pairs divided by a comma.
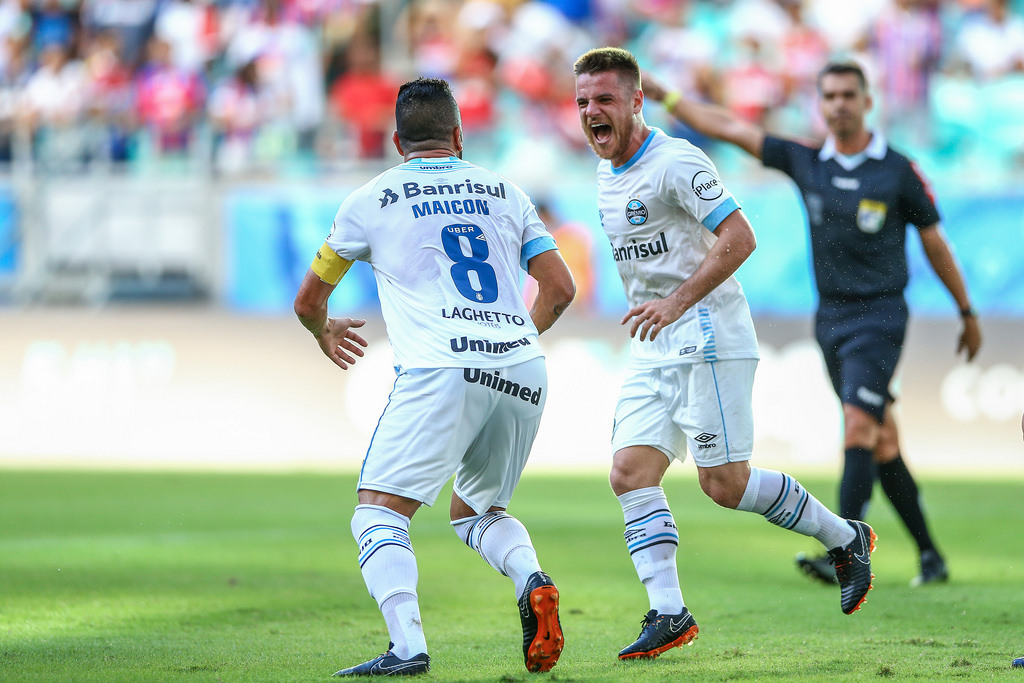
[(933, 569)]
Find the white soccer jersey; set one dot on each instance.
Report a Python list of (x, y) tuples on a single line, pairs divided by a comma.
[(446, 239), (659, 210)]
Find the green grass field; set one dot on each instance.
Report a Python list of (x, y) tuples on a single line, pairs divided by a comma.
[(252, 577)]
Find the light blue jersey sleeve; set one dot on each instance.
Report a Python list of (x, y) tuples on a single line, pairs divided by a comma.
[(721, 212), (538, 245)]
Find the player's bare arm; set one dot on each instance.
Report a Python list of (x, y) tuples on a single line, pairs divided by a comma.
[(944, 263), (707, 119), (555, 288), (736, 242), (335, 336)]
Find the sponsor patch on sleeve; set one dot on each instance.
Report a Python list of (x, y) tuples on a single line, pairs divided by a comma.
[(706, 186)]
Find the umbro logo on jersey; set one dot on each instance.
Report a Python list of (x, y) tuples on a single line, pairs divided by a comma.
[(388, 197)]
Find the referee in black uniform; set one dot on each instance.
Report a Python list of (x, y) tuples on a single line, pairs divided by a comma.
[(860, 195)]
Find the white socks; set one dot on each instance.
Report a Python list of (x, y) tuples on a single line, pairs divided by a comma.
[(785, 503), (503, 542), (388, 564), (652, 541)]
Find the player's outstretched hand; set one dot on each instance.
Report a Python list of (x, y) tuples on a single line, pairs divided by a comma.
[(651, 317), (970, 338), (340, 342)]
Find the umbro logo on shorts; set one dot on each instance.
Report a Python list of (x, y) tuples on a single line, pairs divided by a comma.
[(704, 440)]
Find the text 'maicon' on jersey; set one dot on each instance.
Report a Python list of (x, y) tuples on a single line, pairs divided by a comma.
[(636, 212)]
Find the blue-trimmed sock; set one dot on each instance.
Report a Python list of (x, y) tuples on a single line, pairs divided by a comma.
[(388, 565), (503, 542), (652, 540), (784, 502)]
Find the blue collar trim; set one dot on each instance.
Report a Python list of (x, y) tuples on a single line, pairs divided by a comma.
[(639, 153)]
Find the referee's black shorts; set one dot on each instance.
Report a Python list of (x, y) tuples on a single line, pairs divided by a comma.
[(861, 340)]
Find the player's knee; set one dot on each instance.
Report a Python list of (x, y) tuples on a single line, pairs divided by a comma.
[(637, 468), (628, 476), (861, 429), (723, 492), (888, 441), (622, 478), (722, 486), (887, 450)]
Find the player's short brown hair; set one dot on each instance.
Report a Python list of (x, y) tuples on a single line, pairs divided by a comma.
[(615, 59)]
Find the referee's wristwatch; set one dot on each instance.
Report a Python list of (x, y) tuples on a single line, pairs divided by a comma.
[(969, 312)]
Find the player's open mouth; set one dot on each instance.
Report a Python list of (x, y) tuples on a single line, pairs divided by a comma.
[(602, 132)]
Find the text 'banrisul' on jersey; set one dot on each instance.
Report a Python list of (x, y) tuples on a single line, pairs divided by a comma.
[(636, 249), (459, 207)]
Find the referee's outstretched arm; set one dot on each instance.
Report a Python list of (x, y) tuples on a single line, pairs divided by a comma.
[(707, 119)]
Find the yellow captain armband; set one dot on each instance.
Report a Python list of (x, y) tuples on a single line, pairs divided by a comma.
[(328, 266)]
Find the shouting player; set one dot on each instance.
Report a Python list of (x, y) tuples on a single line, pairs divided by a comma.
[(677, 237)]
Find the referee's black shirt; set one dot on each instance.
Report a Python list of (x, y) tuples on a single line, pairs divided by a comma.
[(858, 216)]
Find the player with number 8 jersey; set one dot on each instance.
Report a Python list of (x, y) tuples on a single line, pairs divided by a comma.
[(446, 240)]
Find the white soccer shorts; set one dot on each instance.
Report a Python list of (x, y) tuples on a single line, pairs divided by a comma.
[(704, 406), (476, 424)]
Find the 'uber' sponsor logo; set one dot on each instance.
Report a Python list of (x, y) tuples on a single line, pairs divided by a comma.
[(706, 186)]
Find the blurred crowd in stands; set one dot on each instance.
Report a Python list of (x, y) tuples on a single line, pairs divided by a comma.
[(276, 86)]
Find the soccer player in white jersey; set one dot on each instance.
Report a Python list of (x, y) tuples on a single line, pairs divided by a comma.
[(446, 240), (677, 236)]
